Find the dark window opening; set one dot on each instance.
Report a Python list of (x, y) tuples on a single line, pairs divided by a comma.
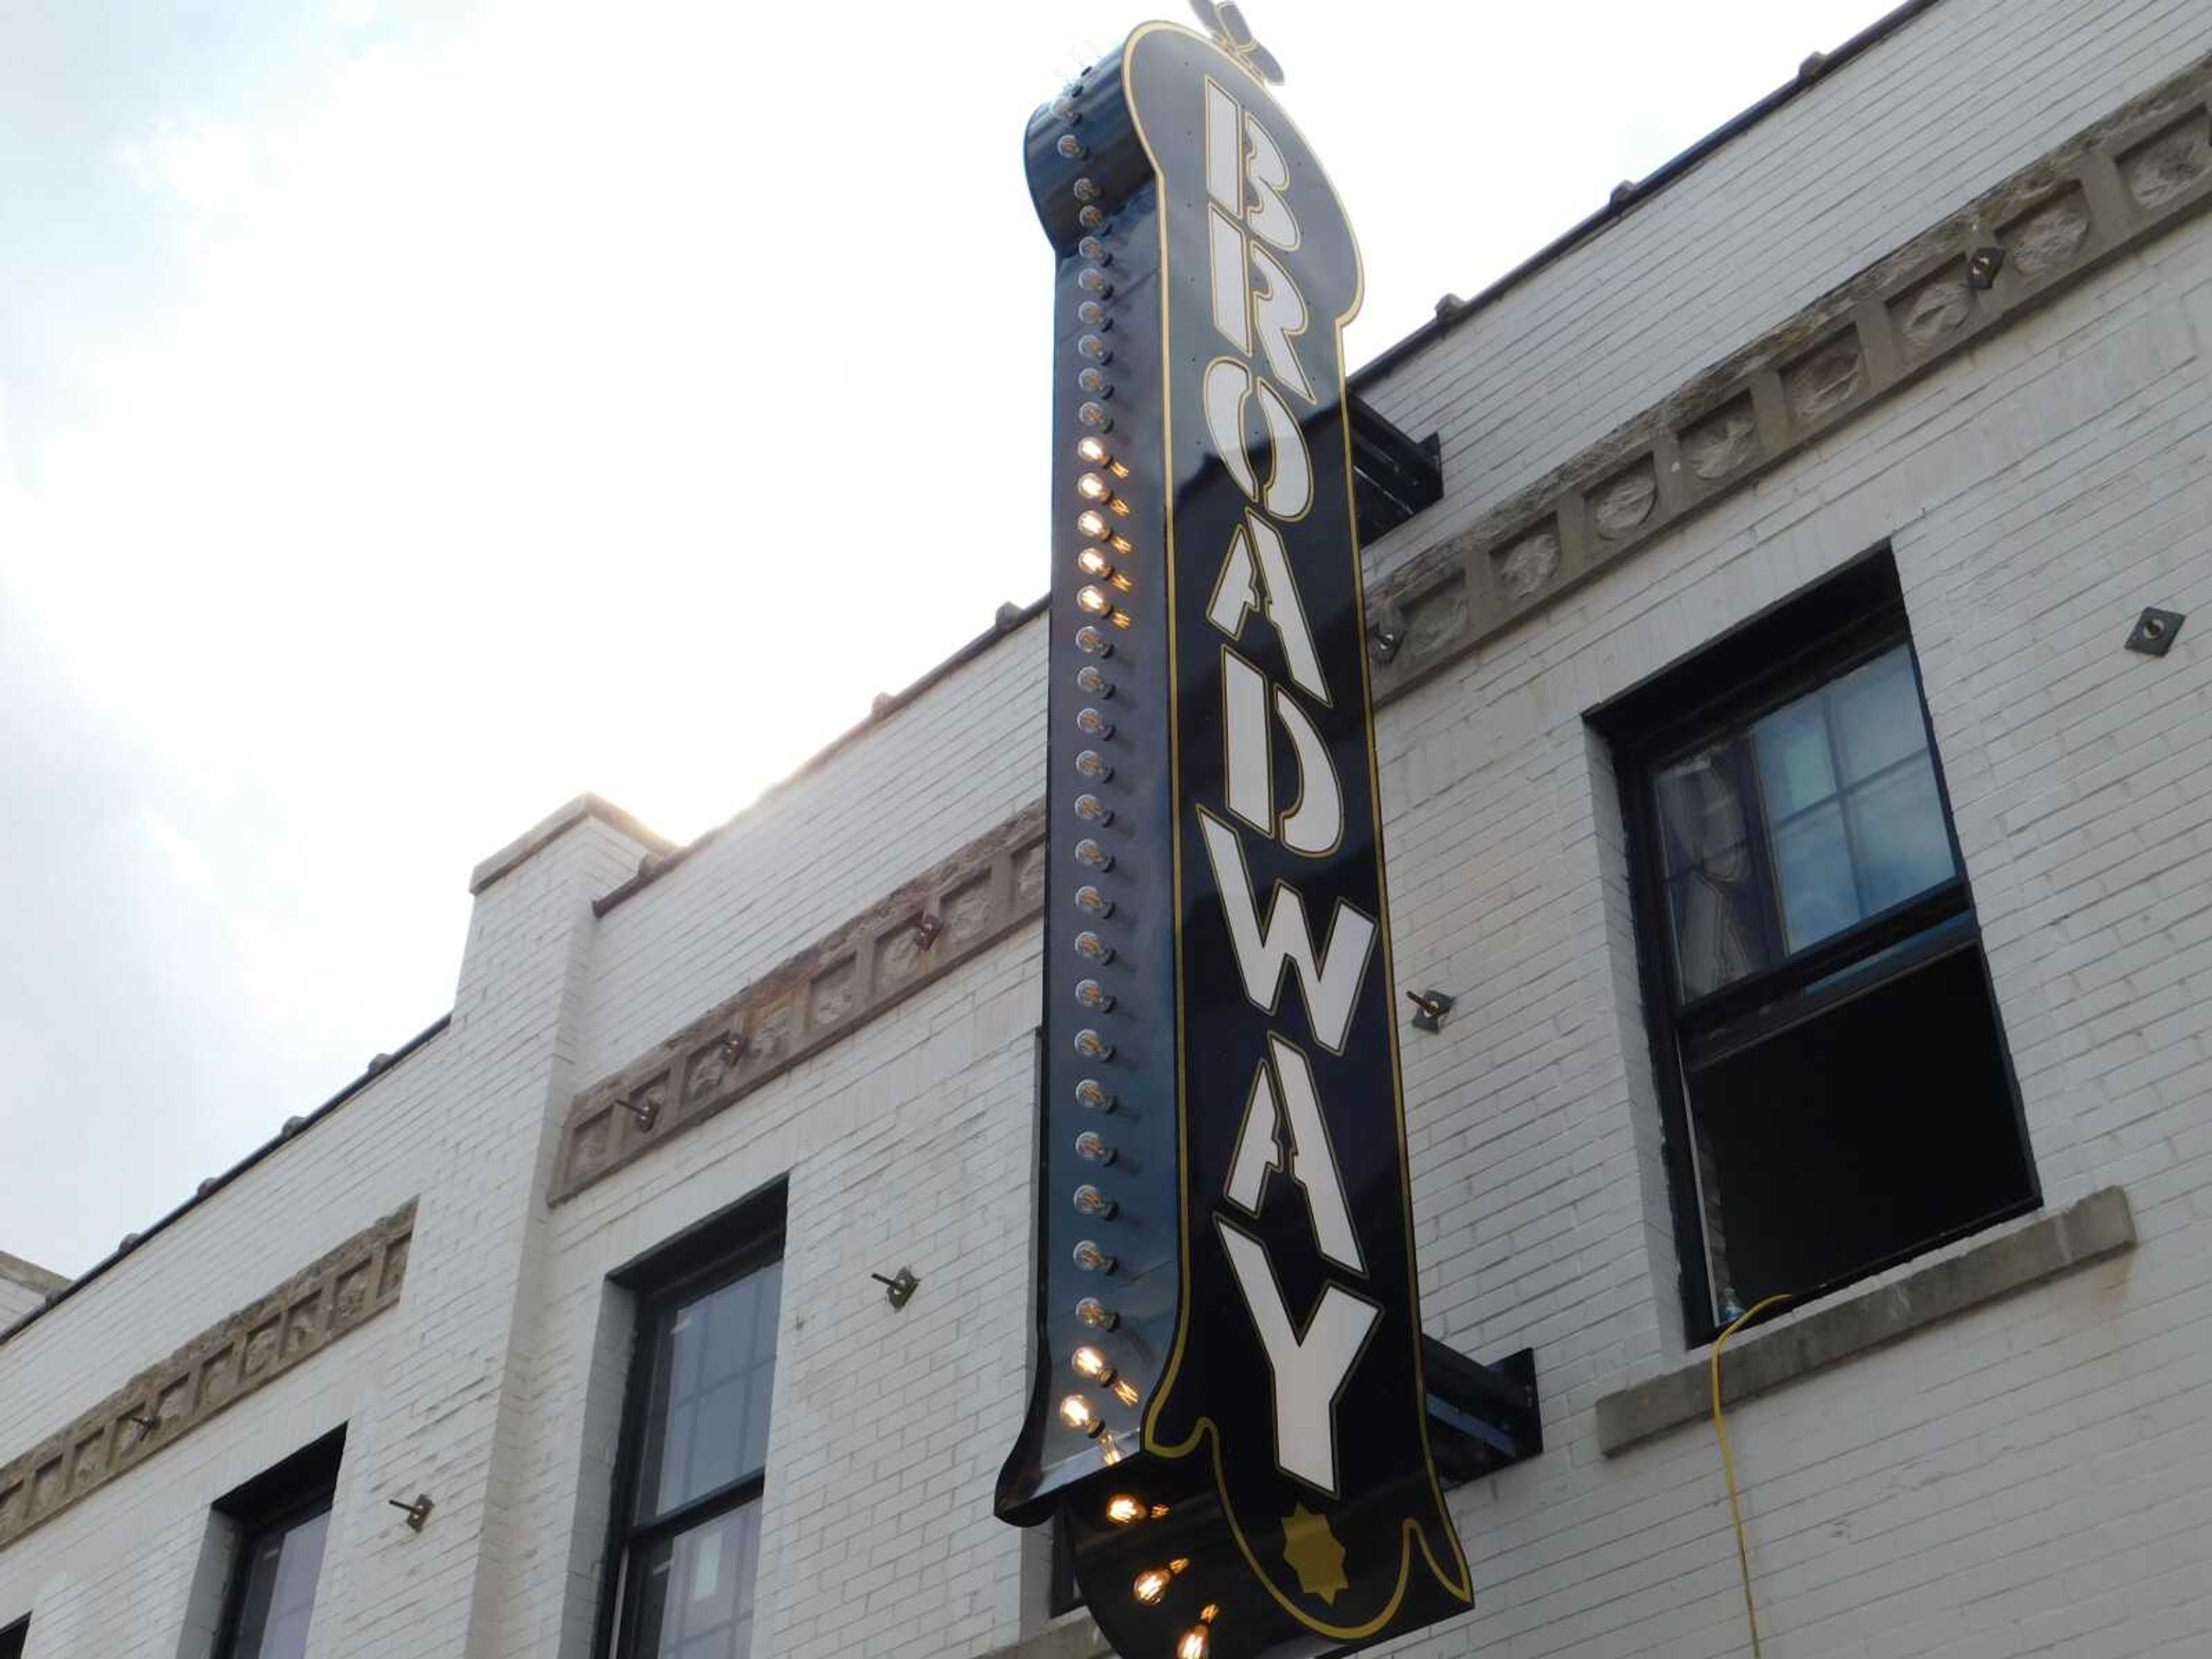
[(695, 1442), (1836, 1090), (283, 1519), (12, 1638)]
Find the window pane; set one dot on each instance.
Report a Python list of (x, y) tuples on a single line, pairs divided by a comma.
[(280, 1590), (1812, 861), (1877, 713), (1897, 822), (708, 1422), (1713, 900), (1794, 767), (696, 1590)]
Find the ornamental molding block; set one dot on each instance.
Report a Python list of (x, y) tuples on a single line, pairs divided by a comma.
[(2110, 191), (926, 928), (340, 1291), (2114, 187)]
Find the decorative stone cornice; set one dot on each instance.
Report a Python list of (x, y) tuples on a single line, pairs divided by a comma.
[(342, 1291), (922, 930), (2121, 183)]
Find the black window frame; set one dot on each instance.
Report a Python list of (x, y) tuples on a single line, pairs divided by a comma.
[(1842, 624), (303, 1485), (742, 1239)]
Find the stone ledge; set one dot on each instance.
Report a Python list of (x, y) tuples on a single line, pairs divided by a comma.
[(1079, 1639), (2112, 189), (341, 1290), (2090, 1230), (971, 899)]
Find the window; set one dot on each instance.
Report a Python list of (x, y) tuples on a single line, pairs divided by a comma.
[(696, 1447), (1836, 1089), (283, 1517), (12, 1638)]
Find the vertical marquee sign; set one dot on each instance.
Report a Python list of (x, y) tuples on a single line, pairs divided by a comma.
[(1228, 1411)]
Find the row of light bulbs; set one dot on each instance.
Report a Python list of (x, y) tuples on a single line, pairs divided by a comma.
[(1098, 521), (1098, 599)]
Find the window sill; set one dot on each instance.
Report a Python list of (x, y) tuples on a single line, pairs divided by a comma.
[(2087, 1231)]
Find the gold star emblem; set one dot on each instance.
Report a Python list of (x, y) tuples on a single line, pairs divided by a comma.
[(1313, 1554)]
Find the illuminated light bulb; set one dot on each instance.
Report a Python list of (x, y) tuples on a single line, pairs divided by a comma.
[(1088, 945), (1094, 250), (1093, 765), (1092, 1364), (1091, 723), (1091, 810), (1124, 1510), (1152, 1582), (1095, 348), (1089, 639), (1086, 189), (1109, 1449), (1093, 452), (1091, 217), (1091, 1046), (1092, 561), (1092, 280), (1094, 1096), (1091, 1259), (1089, 1201), (1093, 487), (1094, 414), (1119, 618), (1071, 147), (1210, 1611), (1194, 1644), (1120, 543), (1091, 523), (1116, 506), (1091, 1146), (1096, 600), (1076, 1412), (1097, 1315), (1095, 383), (1093, 903), (1092, 682), (1093, 995)]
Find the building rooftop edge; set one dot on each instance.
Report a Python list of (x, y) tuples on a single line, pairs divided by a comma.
[(1451, 310), (30, 1275), (556, 824), (294, 1127), (1011, 617)]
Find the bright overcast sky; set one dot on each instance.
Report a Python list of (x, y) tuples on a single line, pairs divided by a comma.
[(413, 414)]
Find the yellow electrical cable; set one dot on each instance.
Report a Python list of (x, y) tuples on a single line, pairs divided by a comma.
[(1728, 1464)]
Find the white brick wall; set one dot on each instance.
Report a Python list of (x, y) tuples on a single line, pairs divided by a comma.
[(2027, 1480)]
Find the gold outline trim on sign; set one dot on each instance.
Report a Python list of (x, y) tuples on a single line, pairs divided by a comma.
[(1411, 1535)]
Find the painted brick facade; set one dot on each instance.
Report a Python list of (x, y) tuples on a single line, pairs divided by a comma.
[(2025, 1478)]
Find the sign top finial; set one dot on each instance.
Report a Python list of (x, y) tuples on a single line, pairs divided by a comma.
[(1224, 21)]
